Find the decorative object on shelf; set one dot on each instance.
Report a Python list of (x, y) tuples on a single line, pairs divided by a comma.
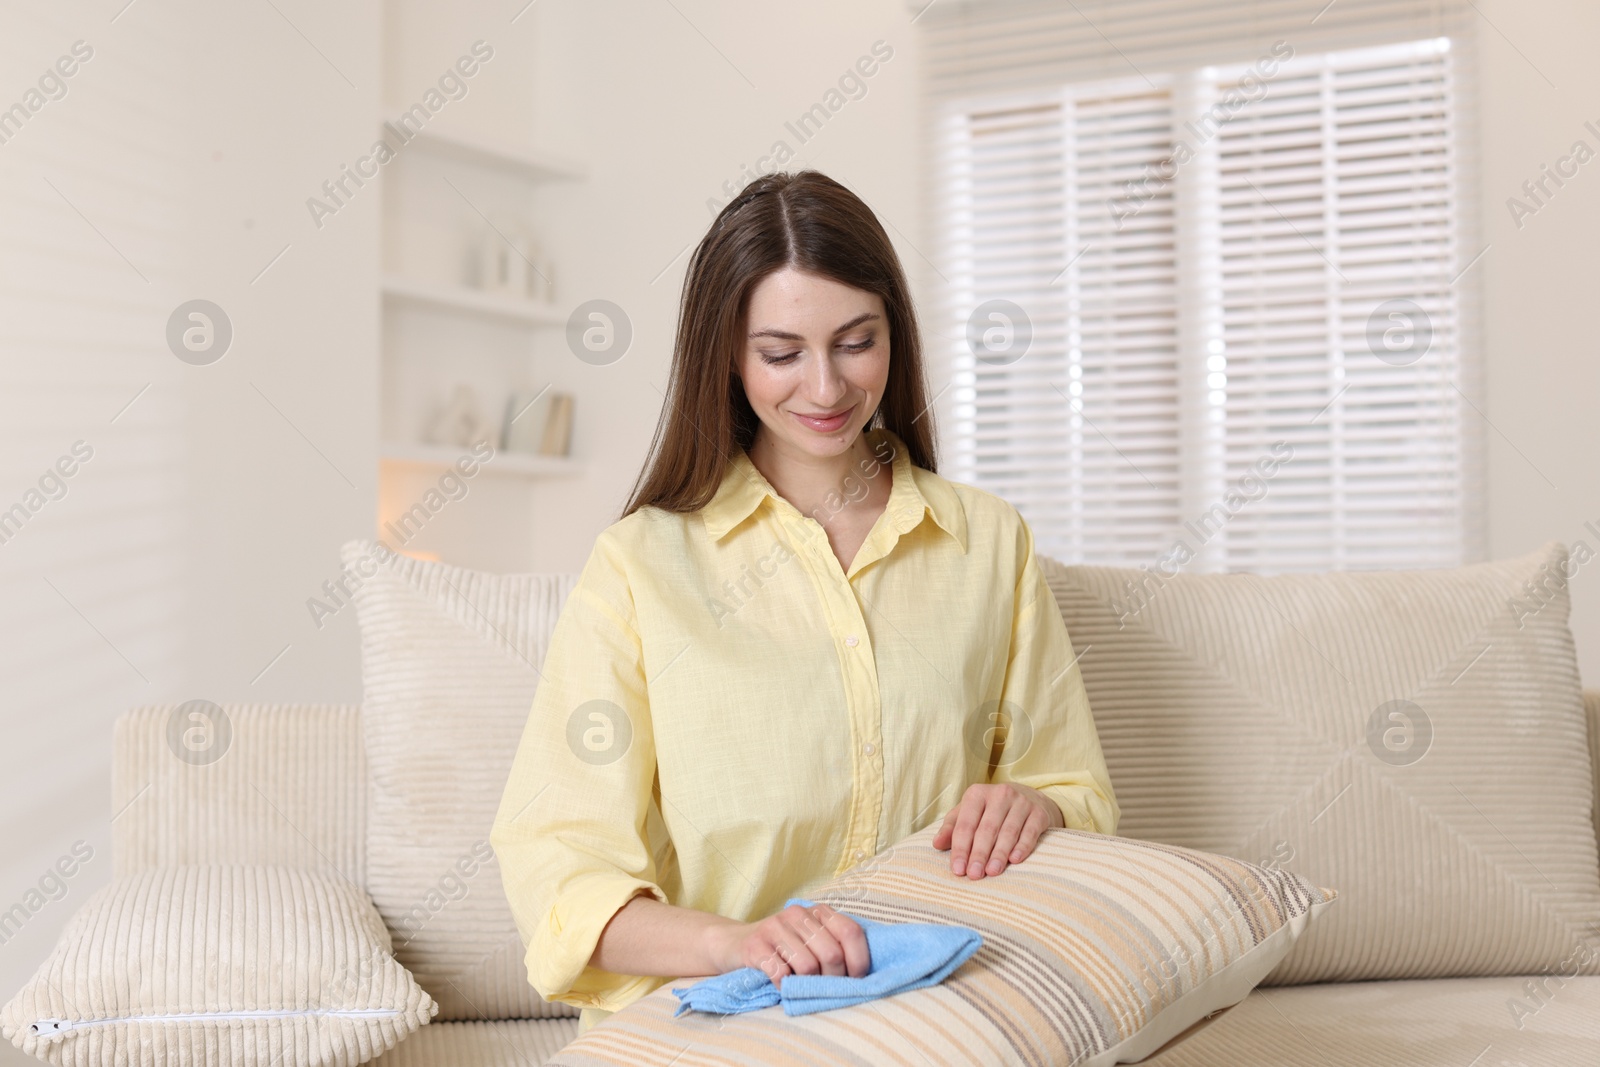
[(502, 267), (541, 276), (538, 270), (558, 432), (507, 259), (459, 421), (538, 423)]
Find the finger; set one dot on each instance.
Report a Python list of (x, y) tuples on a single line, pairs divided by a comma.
[(967, 816), (822, 943), (852, 941), (941, 839), (1032, 830), (994, 817), (770, 961), (1006, 840), (791, 940)]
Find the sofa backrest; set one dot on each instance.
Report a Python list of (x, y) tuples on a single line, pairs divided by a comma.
[(293, 792)]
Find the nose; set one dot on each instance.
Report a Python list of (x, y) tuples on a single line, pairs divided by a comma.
[(826, 385)]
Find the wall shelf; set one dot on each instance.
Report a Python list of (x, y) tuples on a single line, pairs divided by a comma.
[(472, 302), (517, 464), (524, 160), (451, 193)]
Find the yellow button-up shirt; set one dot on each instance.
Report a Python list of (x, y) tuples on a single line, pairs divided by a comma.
[(727, 717)]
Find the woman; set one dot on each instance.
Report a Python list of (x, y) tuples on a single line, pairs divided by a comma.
[(798, 646)]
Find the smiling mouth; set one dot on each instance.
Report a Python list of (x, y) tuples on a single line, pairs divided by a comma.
[(825, 424)]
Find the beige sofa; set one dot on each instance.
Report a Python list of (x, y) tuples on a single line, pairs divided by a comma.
[(295, 789)]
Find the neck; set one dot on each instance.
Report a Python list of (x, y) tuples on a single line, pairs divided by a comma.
[(822, 486)]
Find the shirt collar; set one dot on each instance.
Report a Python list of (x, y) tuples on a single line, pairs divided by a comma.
[(914, 494)]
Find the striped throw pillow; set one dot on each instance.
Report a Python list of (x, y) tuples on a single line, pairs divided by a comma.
[(1096, 950)]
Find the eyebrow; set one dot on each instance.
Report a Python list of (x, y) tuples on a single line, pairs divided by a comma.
[(773, 331)]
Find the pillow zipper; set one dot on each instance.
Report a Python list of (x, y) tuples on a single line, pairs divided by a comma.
[(45, 1027)]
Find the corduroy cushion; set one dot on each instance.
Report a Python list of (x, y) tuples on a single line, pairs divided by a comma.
[(449, 665), (1415, 738), (226, 966), (1096, 950), (284, 785)]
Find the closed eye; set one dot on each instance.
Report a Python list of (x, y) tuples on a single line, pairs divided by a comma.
[(779, 360)]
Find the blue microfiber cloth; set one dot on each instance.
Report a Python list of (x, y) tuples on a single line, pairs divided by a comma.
[(905, 956)]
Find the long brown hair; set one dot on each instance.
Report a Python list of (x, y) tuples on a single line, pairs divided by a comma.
[(811, 223)]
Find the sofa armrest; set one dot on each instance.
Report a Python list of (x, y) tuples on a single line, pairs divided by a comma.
[(254, 784)]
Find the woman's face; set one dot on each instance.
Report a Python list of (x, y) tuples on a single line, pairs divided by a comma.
[(815, 362)]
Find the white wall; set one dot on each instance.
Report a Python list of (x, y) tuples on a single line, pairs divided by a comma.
[(176, 565), (1540, 84)]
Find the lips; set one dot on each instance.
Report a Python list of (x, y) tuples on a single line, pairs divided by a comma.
[(825, 425)]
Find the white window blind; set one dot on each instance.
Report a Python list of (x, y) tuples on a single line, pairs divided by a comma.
[(1234, 336), (1085, 447)]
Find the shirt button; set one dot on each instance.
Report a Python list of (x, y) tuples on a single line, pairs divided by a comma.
[(861, 854), (869, 748), (851, 640)]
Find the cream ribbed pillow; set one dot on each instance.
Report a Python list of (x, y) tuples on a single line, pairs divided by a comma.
[(222, 966), (449, 665), (1416, 738)]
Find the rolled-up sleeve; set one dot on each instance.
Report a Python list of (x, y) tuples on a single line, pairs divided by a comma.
[(1049, 740), (571, 831)]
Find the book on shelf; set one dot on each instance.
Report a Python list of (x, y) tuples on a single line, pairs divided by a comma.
[(538, 423)]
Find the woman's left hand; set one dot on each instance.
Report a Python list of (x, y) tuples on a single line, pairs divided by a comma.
[(995, 826)]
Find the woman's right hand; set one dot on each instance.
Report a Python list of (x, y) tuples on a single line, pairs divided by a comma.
[(797, 940)]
